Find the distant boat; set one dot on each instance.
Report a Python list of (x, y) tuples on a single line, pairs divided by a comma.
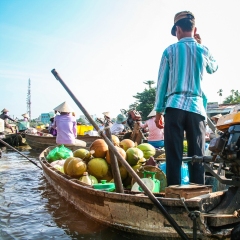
[(42, 142)]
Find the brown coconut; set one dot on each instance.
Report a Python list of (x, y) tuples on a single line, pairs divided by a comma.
[(100, 148)]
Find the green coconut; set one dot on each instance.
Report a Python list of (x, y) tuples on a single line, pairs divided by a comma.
[(134, 154), (148, 150), (97, 167)]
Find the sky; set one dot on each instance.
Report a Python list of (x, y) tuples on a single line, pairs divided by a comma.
[(104, 50)]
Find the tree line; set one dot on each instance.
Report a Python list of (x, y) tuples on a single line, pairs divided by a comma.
[(145, 100)]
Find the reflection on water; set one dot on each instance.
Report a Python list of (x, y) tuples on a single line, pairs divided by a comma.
[(31, 209)]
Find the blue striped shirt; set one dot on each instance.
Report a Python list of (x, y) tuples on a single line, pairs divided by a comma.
[(180, 76)]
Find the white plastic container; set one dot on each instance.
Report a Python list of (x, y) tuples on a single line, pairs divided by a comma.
[(1, 125)]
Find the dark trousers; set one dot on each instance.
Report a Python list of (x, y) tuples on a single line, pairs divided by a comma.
[(176, 121)]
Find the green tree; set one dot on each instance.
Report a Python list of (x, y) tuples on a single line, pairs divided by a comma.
[(145, 101), (233, 98), (82, 121), (149, 83)]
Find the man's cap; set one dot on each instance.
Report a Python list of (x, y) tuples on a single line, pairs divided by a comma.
[(120, 118), (152, 113), (179, 16), (216, 116), (64, 107), (25, 115), (5, 110)]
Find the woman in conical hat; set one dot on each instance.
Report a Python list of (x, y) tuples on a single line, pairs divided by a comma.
[(25, 117), (66, 126), (156, 135)]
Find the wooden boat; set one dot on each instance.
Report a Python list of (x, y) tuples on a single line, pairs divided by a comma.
[(42, 142), (13, 139), (136, 213)]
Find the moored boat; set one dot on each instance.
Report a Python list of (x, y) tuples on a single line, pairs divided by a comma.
[(136, 213), (42, 142)]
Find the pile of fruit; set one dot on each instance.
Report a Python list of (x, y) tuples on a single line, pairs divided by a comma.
[(96, 161)]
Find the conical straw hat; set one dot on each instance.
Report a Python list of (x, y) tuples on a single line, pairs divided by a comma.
[(107, 114), (152, 113), (5, 110), (25, 115), (217, 116), (64, 107)]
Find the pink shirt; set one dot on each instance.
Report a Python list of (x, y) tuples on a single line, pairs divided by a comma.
[(155, 134), (66, 126)]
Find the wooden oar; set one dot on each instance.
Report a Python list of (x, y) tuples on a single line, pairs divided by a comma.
[(123, 161), (6, 144)]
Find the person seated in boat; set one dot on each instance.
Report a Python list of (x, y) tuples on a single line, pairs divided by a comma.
[(156, 135), (25, 117), (107, 118), (216, 118), (5, 117), (51, 129), (118, 127), (66, 126)]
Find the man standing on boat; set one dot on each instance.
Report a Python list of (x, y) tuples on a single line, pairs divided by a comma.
[(180, 98), (5, 117)]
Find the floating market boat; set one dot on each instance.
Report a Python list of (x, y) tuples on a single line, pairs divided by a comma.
[(42, 142), (134, 212), (13, 139)]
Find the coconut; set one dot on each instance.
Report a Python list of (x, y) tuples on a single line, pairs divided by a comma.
[(137, 167), (100, 148), (148, 150), (97, 167), (108, 177), (134, 155), (66, 164), (115, 140), (123, 172), (120, 150), (82, 153), (126, 143), (76, 167)]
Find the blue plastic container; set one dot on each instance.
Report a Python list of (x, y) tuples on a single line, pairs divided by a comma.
[(23, 126), (184, 172)]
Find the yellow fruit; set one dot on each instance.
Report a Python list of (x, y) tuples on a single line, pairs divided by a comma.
[(100, 148), (107, 176), (97, 167), (123, 172), (66, 164), (137, 167), (120, 150), (134, 155), (126, 144), (115, 140), (82, 153), (148, 150), (76, 167)]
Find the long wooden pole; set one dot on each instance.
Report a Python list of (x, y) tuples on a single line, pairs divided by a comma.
[(123, 161), (7, 145)]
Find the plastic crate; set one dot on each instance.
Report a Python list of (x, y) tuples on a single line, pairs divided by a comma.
[(81, 129)]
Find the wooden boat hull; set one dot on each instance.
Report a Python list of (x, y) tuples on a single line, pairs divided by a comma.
[(129, 212), (13, 139), (41, 142)]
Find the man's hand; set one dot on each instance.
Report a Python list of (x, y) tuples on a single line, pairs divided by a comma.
[(198, 38), (158, 120)]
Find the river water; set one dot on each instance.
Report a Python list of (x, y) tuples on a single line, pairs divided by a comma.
[(31, 209)]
